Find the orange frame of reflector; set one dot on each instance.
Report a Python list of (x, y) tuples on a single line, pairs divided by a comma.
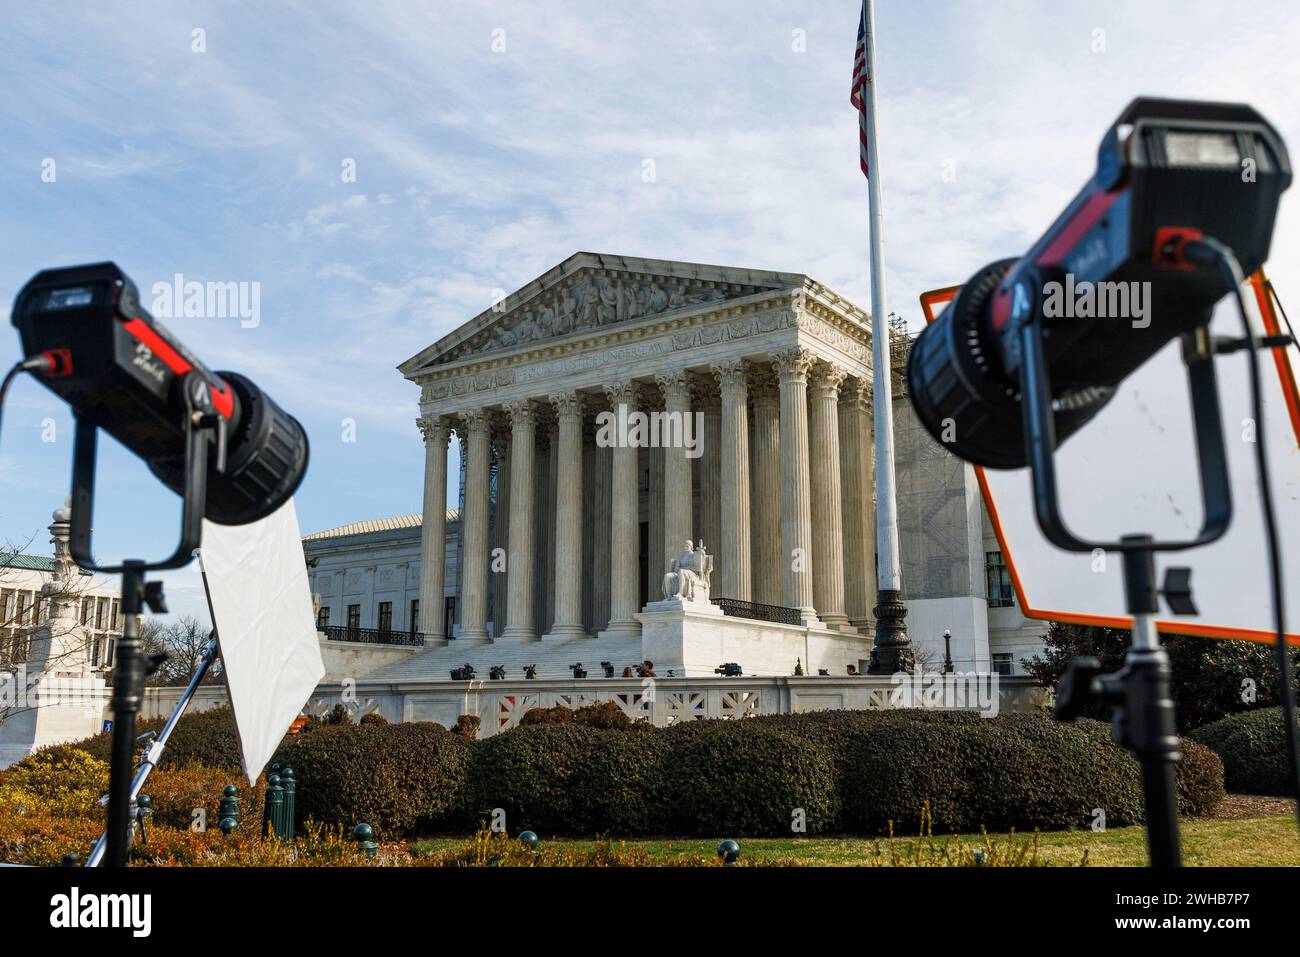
[(1287, 379)]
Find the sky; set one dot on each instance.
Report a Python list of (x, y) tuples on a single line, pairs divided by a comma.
[(491, 140)]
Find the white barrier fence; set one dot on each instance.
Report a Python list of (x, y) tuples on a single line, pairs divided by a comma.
[(500, 705)]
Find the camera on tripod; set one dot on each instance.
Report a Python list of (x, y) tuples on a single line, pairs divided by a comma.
[(497, 673), (578, 670), (728, 669), (464, 673)]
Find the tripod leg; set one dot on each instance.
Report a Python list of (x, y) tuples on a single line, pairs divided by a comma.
[(1152, 736), (128, 689)]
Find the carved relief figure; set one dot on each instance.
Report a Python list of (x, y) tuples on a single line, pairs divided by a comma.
[(656, 300), (607, 309)]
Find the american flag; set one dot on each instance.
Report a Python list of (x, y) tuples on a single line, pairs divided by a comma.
[(861, 77)]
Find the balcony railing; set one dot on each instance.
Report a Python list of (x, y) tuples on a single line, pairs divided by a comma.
[(373, 636), (778, 614)]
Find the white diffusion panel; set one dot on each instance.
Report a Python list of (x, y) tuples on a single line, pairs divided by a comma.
[(261, 608)]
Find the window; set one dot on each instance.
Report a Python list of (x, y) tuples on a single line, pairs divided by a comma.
[(1002, 665), (449, 615), (415, 615), (385, 617), (354, 617), (111, 645), (1001, 594), (100, 608), (323, 616)]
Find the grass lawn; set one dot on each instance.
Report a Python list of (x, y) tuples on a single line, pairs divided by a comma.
[(1242, 842)]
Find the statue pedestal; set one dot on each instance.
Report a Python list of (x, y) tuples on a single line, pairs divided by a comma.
[(673, 631), (54, 708)]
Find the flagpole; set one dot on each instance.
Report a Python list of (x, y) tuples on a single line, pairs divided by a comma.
[(892, 650)]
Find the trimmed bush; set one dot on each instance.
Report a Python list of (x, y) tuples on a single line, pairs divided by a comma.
[(177, 792), (61, 781), (467, 726), (373, 718), (569, 778), (200, 737), (1252, 746), (400, 778), (747, 778), (557, 714), (602, 714), (1200, 780)]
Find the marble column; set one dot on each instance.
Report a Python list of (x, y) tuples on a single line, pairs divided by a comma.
[(857, 470), (433, 526), (568, 518), (520, 560), (765, 487), (793, 366), (625, 526), (541, 508), (733, 553), (707, 465), (589, 459), (678, 527), (600, 557), (827, 502), (499, 571), (474, 528), (552, 489), (657, 562)]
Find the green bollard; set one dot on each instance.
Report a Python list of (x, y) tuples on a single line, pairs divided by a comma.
[(228, 810), (289, 784), (274, 804), (729, 851), (364, 835)]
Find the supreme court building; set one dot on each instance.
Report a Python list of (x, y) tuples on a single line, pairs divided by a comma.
[(560, 545)]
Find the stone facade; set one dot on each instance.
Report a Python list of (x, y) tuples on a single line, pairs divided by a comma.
[(562, 537)]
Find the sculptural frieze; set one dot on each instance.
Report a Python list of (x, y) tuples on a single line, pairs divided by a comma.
[(591, 303)]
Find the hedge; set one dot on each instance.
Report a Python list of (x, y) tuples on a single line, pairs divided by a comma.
[(835, 771), (572, 778), (200, 737), (400, 778), (1252, 746)]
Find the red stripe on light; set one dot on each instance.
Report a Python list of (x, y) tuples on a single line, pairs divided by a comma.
[(224, 401), (1083, 221), (158, 345)]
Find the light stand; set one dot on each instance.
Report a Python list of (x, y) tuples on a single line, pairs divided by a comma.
[(137, 593), (153, 754), (1138, 694)]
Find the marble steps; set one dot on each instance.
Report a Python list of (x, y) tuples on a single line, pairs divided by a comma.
[(551, 658)]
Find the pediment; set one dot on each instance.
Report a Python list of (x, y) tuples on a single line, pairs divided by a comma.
[(589, 292)]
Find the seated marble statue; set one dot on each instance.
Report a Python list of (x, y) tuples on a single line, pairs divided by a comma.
[(689, 574)]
